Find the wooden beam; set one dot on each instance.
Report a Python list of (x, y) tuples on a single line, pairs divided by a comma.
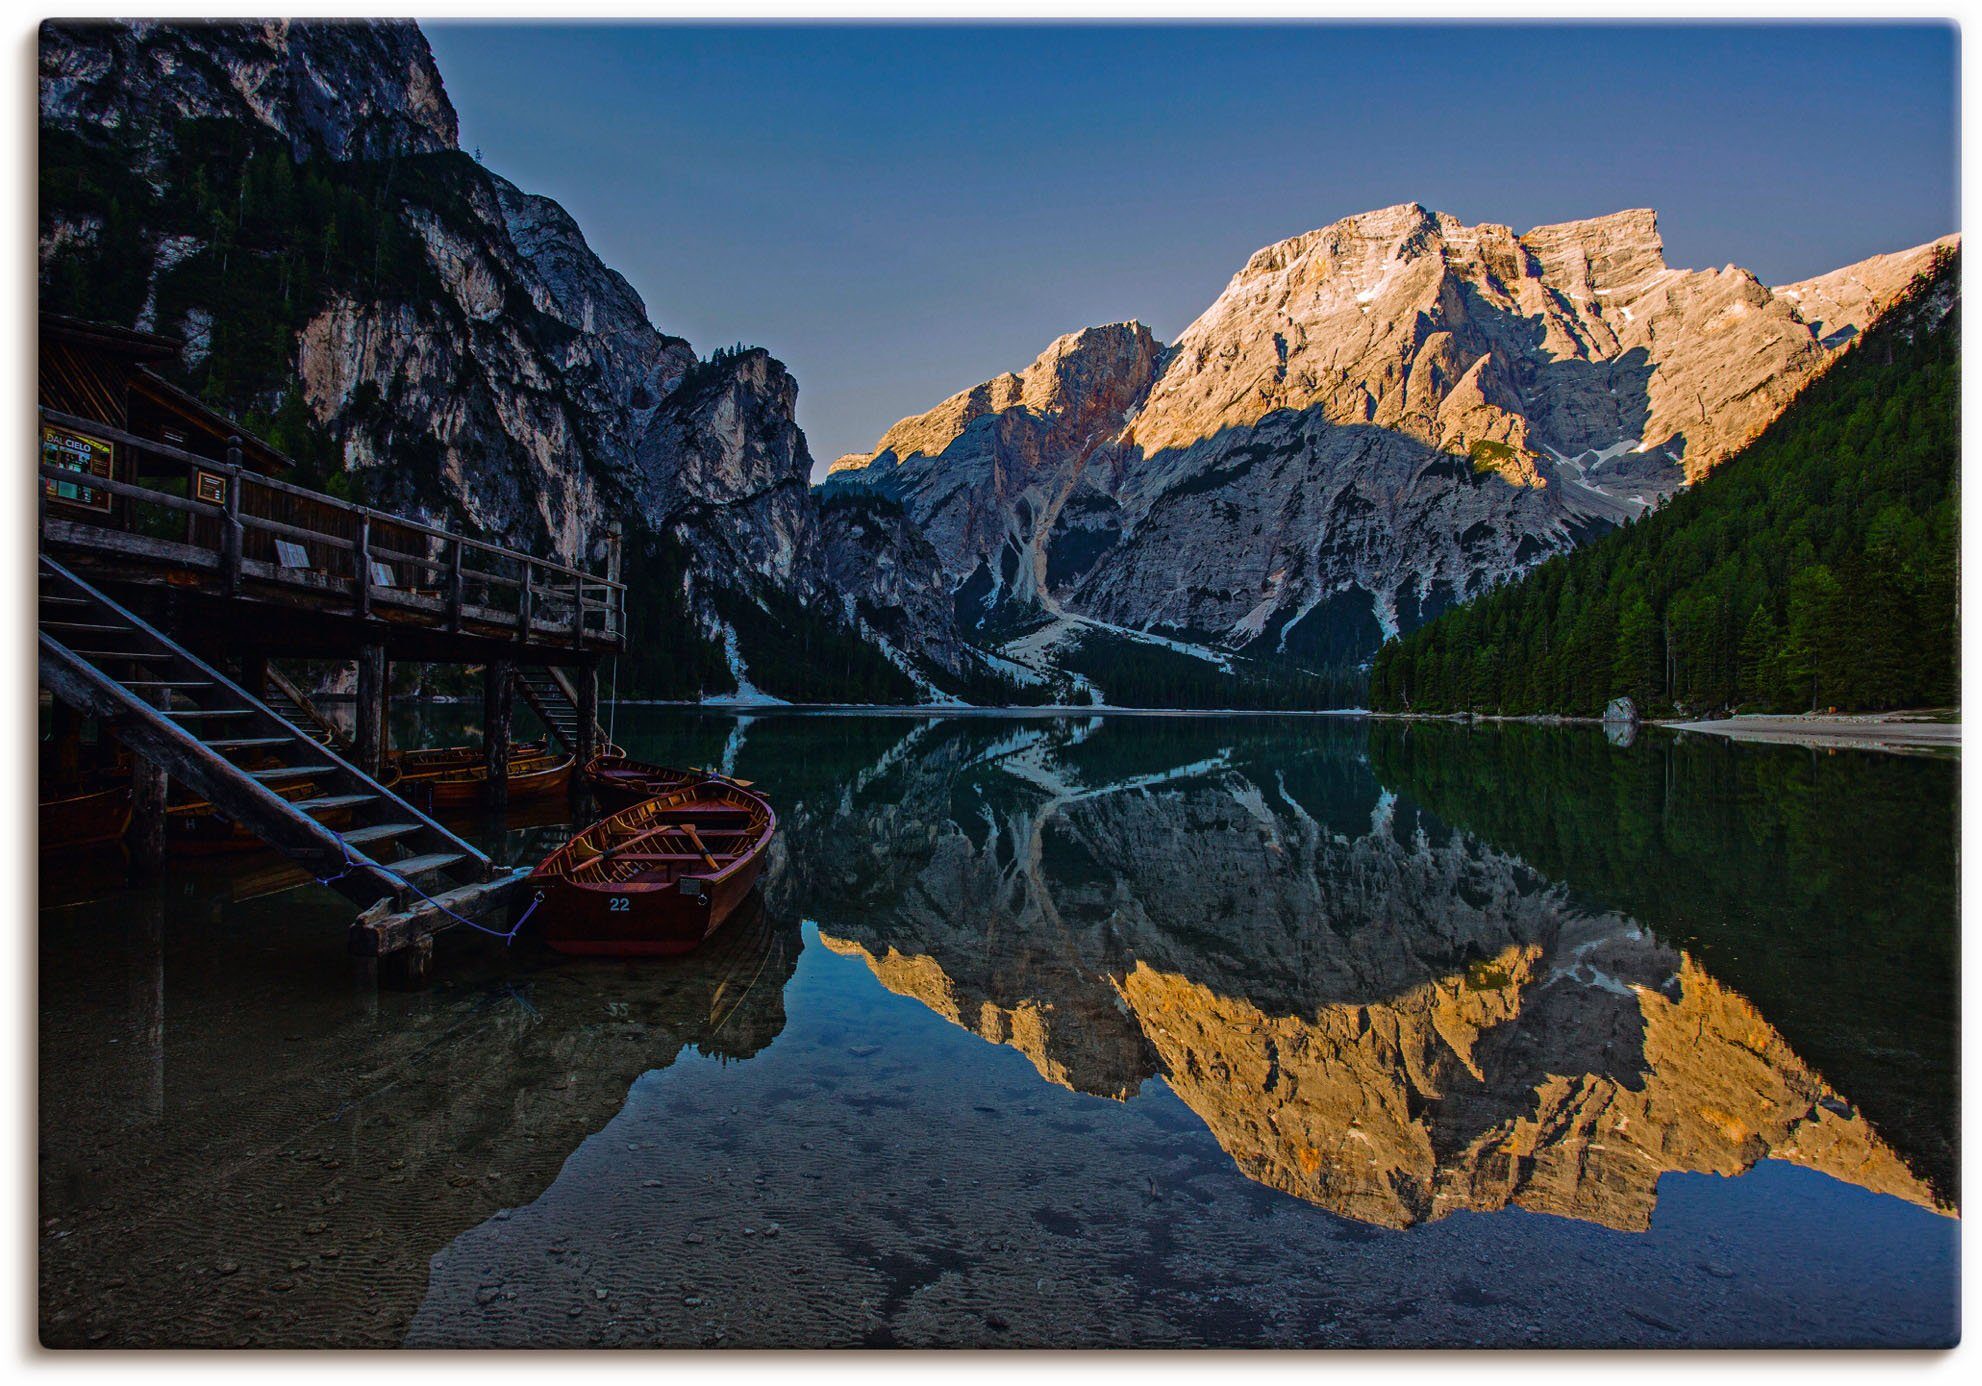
[(370, 739), (587, 680), (150, 788), (498, 703), (362, 561), (382, 930)]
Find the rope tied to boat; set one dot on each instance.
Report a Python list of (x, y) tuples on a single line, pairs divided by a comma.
[(507, 936)]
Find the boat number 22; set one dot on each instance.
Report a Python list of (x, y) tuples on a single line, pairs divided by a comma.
[(619, 904)]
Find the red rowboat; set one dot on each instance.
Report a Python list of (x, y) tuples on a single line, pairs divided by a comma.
[(620, 783), (659, 877), (458, 776)]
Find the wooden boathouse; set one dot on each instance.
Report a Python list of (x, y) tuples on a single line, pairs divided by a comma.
[(178, 566)]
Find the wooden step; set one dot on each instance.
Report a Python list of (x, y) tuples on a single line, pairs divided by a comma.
[(380, 832), (122, 654), (290, 772), (421, 866), (323, 803), (84, 625), (235, 743), (205, 712), (167, 683), (64, 601)]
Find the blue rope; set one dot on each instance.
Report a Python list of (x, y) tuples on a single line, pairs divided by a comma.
[(507, 938)]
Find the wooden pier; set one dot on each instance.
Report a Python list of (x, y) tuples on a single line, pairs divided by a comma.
[(177, 564)]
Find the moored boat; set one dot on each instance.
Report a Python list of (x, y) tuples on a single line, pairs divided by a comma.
[(620, 783), (659, 877), (458, 776), (85, 818)]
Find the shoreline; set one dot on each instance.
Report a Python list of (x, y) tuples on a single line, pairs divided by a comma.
[(1908, 731), (1914, 730)]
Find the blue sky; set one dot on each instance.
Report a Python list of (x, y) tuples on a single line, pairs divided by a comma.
[(899, 213)]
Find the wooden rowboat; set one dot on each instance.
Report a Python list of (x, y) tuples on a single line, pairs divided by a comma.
[(439, 760), (659, 877), (85, 819), (458, 776), (619, 783)]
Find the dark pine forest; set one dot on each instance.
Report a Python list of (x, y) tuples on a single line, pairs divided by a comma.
[(1814, 569)]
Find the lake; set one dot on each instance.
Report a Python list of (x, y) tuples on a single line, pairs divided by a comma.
[(1062, 1031)]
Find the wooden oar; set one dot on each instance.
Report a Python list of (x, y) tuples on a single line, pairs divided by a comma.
[(696, 838)]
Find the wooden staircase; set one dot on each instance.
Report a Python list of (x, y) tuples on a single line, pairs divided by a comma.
[(293, 705), (232, 749), (556, 705)]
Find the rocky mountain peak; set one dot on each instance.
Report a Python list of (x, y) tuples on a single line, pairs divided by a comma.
[(335, 90), (1373, 419), (1083, 377)]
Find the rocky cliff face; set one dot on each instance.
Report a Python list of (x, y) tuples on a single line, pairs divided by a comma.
[(475, 363), (332, 90), (1374, 420)]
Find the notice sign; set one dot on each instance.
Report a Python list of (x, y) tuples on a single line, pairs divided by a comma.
[(79, 453)]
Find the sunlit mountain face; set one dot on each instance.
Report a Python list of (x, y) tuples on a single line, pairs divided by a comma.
[(1369, 1008)]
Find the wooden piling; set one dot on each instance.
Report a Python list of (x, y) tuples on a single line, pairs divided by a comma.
[(498, 694), (146, 835), (370, 740), (586, 680)]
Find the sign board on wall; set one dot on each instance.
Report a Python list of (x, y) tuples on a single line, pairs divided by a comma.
[(79, 453)]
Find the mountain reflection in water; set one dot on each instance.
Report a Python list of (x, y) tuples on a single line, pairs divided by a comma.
[(1404, 974), (1371, 1011)]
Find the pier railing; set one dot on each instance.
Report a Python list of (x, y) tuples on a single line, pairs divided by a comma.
[(239, 529)]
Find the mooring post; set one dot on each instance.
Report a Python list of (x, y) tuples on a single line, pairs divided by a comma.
[(370, 739), (586, 677), (498, 690)]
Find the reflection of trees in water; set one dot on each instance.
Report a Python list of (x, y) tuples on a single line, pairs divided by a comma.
[(1368, 1009), (1820, 885)]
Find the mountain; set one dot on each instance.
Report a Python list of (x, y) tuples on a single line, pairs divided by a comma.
[(289, 201), (1372, 422), (1816, 568)]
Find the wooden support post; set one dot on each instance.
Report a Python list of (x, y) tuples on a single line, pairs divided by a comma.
[(615, 613), (587, 681), (456, 587), (149, 788), (498, 692), (370, 739), (409, 968), (578, 613), (361, 556), (231, 533), (526, 601)]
